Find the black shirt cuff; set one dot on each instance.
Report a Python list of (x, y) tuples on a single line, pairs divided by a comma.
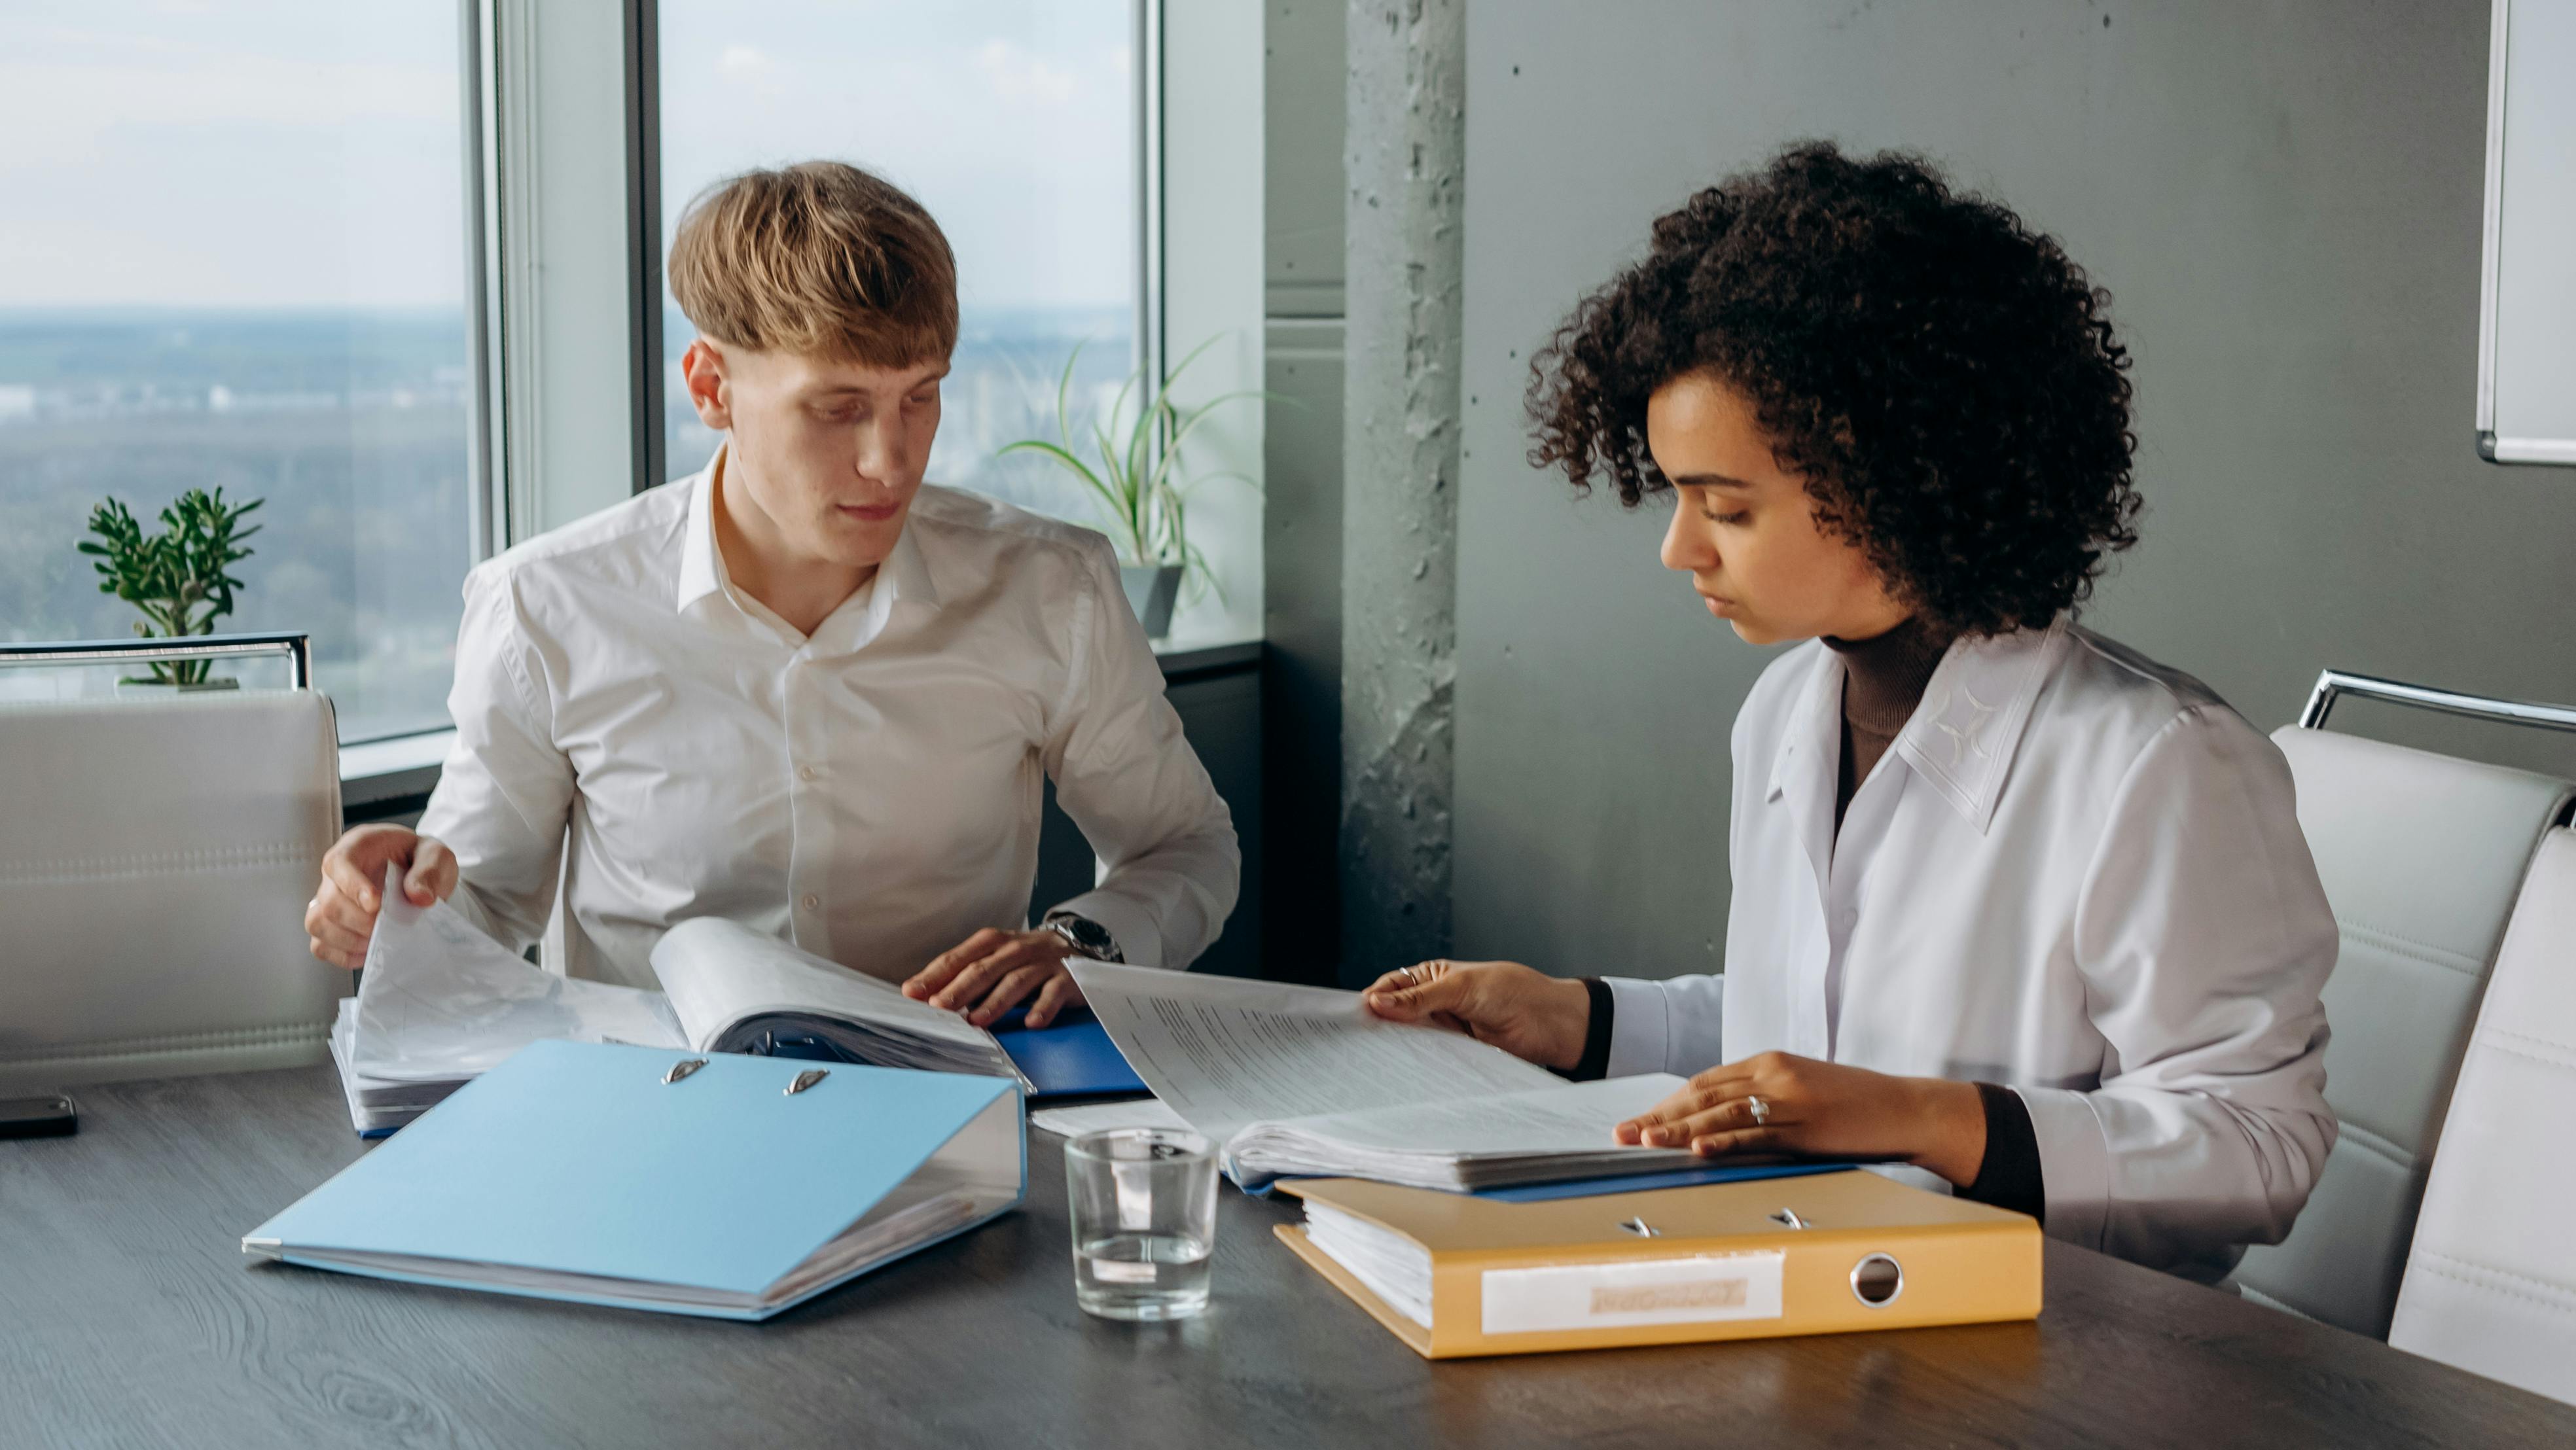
[(2009, 1175), (1595, 1062)]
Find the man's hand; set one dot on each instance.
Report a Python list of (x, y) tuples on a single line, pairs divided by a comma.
[(1821, 1108), (342, 915), (1519, 1009), (993, 970)]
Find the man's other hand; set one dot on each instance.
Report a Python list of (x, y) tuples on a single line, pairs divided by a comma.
[(993, 971), (342, 916)]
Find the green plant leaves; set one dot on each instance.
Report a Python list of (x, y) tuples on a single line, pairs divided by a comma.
[(1140, 481), (173, 573)]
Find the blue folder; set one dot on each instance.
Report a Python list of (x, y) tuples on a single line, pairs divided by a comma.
[(575, 1171), (1671, 1178), (1072, 1059)]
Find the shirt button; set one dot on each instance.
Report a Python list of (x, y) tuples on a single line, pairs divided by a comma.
[(812, 901), (804, 772)]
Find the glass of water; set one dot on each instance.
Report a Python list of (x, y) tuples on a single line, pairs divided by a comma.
[(1143, 1204)]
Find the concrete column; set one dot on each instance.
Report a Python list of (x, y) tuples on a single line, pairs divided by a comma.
[(1405, 158)]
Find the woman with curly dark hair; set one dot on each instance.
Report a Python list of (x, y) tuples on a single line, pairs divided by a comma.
[(2012, 904)]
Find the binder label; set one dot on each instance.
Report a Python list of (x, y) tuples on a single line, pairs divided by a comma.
[(1701, 1289)]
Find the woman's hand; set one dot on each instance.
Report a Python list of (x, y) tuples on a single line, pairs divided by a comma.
[(1822, 1109), (1519, 1009)]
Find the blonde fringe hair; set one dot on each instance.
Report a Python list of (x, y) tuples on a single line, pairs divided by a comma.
[(819, 259)]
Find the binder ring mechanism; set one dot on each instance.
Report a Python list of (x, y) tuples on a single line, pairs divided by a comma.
[(687, 1065)]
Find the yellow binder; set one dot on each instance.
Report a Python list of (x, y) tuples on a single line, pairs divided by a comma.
[(1823, 1254)]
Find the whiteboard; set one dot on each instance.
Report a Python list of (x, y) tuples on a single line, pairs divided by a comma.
[(2527, 291)]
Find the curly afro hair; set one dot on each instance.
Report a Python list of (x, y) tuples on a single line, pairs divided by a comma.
[(1944, 378)]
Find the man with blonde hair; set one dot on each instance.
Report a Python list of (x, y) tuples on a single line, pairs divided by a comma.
[(803, 689)]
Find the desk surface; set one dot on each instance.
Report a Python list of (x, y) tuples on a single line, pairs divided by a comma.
[(129, 1317)]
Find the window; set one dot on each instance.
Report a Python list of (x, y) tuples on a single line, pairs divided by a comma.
[(1014, 122), (234, 257)]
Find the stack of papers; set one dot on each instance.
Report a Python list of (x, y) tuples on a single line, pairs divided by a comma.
[(440, 1003), (1467, 1144), (1305, 1081), (1395, 1268)]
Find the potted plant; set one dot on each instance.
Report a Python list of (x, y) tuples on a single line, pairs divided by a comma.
[(178, 576), (1140, 482)]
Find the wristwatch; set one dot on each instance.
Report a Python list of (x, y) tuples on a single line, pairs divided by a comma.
[(1087, 937)]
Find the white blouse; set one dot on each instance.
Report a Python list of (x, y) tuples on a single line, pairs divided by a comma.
[(2075, 873), (871, 792)]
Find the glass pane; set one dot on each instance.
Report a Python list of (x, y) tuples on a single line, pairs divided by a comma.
[(1013, 121), (234, 259)]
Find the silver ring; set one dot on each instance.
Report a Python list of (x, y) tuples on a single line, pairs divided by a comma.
[(1410, 979), (1760, 1110)]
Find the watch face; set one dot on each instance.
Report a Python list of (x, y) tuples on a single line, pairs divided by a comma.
[(1087, 936)]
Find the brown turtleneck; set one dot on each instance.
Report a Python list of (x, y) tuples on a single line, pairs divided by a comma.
[(1883, 680)]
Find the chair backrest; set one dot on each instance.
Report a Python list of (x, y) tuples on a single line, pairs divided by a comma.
[(2491, 1285), (2421, 856), (155, 860)]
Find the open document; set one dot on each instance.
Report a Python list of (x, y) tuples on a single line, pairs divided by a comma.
[(441, 1003), (734, 989), (1305, 1081)]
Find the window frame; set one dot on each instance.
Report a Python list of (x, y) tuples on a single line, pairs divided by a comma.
[(526, 259), (644, 191)]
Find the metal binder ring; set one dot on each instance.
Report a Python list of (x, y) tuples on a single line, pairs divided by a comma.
[(1760, 1110)]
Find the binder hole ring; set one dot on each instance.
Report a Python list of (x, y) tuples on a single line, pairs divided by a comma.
[(1877, 1280)]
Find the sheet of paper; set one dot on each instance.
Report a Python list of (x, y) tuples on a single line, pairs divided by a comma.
[(440, 1000), (1223, 1052), (1101, 1117)]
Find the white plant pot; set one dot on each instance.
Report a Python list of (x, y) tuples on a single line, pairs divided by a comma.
[(1152, 589), (157, 687)]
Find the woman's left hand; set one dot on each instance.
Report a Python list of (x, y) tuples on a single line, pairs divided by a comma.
[(1821, 1109)]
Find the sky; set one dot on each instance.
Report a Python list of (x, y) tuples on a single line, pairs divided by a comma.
[(252, 153), (1011, 120), (306, 153)]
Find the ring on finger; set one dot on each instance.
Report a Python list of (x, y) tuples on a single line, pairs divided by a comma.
[(1411, 979), (1759, 1110)]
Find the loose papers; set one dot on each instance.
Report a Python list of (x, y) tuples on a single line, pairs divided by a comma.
[(1305, 1080)]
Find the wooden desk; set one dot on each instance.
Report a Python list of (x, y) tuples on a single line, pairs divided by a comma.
[(129, 1317)]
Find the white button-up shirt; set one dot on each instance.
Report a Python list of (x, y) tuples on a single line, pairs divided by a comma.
[(870, 792), (2075, 873)]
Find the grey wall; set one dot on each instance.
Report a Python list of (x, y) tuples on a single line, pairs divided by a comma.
[(1301, 688), (2283, 198)]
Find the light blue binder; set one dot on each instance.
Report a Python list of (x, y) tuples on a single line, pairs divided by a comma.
[(576, 1171)]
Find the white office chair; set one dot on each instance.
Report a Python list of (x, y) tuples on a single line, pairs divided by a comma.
[(2491, 1285), (2421, 856), (155, 860)]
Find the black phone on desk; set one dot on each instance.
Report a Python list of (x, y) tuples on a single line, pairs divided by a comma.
[(45, 1115)]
